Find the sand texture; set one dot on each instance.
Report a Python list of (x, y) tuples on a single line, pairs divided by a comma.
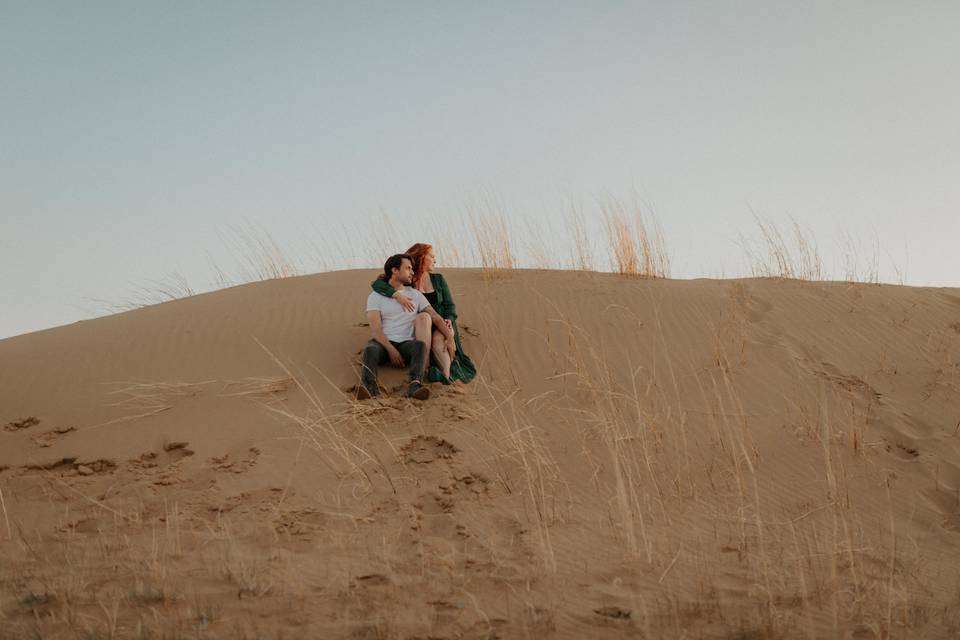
[(639, 458)]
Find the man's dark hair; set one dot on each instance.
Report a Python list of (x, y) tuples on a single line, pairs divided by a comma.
[(394, 262)]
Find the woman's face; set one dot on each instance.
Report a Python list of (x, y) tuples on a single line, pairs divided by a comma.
[(428, 261)]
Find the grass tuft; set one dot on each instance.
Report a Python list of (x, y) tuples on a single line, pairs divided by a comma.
[(790, 254), (637, 245), (492, 239)]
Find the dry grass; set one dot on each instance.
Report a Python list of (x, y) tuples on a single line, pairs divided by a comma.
[(173, 287), (583, 250), (264, 389), (637, 246), (142, 394), (385, 239), (487, 220), (257, 255), (540, 245), (448, 248), (328, 432), (789, 254), (858, 265), (514, 437), (616, 235), (822, 556)]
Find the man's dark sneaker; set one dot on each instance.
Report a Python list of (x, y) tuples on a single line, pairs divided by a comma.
[(363, 393), (418, 391)]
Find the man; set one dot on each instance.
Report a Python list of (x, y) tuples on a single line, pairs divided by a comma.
[(394, 331)]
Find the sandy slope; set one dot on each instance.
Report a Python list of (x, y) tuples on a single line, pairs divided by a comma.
[(640, 458)]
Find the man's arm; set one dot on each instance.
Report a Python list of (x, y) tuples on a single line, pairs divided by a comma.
[(376, 328), (383, 288)]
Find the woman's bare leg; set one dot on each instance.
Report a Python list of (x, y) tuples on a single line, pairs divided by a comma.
[(441, 354)]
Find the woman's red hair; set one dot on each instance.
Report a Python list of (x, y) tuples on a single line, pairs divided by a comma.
[(416, 253)]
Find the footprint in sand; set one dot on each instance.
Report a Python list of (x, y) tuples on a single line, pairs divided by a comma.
[(177, 450), (49, 438), (95, 467), (22, 423), (467, 484), (427, 449), (235, 464), (902, 451), (432, 504), (300, 523), (615, 613), (434, 518), (71, 466), (159, 467)]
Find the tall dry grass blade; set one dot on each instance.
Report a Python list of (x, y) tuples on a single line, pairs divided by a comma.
[(637, 243), (540, 245), (92, 501), (386, 239), (173, 287), (625, 260), (790, 255), (488, 221), (6, 519), (130, 418), (517, 439), (583, 253), (858, 267), (449, 248), (322, 431), (332, 246), (257, 255)]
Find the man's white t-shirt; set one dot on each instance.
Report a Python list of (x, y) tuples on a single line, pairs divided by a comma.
[(397, 323)]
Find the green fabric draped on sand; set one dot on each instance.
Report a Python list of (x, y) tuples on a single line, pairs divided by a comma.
[(462, 368)]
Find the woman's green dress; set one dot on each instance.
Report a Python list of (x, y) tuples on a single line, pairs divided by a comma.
[(462, 368)]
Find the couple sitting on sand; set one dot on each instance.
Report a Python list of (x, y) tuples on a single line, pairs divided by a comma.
[(406, 300)]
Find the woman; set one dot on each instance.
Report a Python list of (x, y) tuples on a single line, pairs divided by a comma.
[(450, 362)]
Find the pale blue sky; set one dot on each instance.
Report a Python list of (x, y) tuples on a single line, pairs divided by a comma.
[(134, 133)]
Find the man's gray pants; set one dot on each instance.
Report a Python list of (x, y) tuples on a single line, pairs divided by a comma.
[(375, 354)]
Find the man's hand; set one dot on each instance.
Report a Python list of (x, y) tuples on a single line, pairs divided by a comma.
[(376, 329), (395, 358), (404, 301)]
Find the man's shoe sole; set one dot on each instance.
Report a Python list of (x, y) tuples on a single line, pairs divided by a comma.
[(363, 393), (421, 394)]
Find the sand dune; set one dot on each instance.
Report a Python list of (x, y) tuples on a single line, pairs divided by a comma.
[(639, 458)]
